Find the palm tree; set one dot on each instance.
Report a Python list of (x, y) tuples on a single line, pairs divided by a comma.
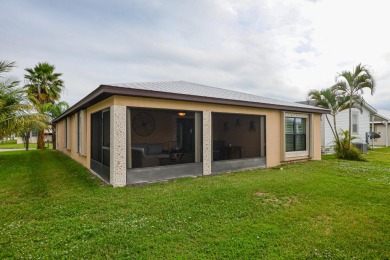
[(16, 113), (328, 99), (352, 84), (54, 111), (44, 86), (6, 66)]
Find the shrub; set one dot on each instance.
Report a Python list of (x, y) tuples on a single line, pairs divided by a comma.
[(347, 151)]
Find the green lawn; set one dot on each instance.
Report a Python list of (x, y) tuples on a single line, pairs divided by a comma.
[(13, 145), (53, 208)]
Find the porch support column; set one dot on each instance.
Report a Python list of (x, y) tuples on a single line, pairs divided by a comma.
[(128, 140), (207, 147), (118, 146)]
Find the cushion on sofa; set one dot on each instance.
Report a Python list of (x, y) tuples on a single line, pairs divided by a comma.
[(142, 150), (155, 148), (144, 146)]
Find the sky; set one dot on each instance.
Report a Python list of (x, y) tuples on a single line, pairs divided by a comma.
[(273, 48)]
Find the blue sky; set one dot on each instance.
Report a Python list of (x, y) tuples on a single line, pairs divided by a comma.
[(275, 48)]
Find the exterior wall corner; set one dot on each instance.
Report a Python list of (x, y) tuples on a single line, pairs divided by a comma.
[(207, 146), (118, 146)]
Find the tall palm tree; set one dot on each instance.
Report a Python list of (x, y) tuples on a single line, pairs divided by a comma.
[(53, 111), (352, 84), (43, 86), (328, 99), (16, 113)]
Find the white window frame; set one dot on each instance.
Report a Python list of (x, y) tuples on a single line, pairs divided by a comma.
[(304, 153), (65, 132), (68, 134), (82, 132), (355, 114)]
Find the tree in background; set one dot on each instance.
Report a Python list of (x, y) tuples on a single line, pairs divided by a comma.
[(328, 99), (44, 86), (54, 111), (352, 84), (16, 113)]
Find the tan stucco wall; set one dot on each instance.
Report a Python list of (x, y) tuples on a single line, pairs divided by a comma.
[(72, 151), (60, 135), (317, 137), (381, 128), (273, 124)]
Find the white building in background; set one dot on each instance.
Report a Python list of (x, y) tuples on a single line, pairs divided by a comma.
[(34, 137), (381, 127), (362, 125)]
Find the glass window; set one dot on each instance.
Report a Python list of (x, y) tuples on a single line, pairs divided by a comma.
[(355, 122), (34, 133), (295, 134)]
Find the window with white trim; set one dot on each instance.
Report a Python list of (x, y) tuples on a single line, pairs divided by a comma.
[(65, 132), (295, 134), (68, 140), (355, 123), (78, 132), (81, 132)]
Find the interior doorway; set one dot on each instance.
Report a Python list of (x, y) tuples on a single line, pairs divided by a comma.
[(185, 135)]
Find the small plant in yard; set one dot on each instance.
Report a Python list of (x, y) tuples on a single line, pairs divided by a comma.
[(345, 150)]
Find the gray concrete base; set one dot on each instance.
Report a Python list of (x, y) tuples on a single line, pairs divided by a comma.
[(160, 173), (237, 165)]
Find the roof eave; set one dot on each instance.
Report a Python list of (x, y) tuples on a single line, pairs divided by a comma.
[(109, 90)]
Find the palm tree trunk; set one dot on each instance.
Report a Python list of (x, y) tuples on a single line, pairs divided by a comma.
[(350, 121), (331, 127), (41, 141), (335, 127), (27, 138)]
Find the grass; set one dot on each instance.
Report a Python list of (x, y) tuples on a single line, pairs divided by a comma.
[(51, 207), (13, 145)]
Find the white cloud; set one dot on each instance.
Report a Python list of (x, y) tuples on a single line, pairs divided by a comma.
[(273, 48)]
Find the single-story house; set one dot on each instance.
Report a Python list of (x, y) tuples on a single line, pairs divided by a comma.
[(144, 132), (33, 137)]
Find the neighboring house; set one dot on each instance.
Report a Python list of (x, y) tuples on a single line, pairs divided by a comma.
[(144, 132), (381, 127), (34, 137), (361, 126)]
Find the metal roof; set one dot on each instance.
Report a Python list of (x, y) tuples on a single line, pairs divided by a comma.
[(186, 91), (193, 89)]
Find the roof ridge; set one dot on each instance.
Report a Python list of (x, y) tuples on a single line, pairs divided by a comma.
[(196, 84)]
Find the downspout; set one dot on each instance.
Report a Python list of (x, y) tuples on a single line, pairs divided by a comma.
[(386, 135)]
